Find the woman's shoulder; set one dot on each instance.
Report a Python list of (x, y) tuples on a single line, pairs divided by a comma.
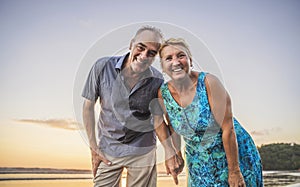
[(210, 78), (164, 87)]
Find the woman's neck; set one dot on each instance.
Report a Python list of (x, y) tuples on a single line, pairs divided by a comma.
[(186, 84)]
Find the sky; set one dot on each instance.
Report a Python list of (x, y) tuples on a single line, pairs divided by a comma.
[(46, 48)]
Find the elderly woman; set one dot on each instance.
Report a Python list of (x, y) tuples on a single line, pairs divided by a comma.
[(219, 151)]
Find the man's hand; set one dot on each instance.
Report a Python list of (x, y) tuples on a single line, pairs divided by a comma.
[(97, 158), (174, 166), (171, 167), (180, 162)]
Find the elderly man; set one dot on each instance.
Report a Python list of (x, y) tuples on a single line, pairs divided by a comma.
[(126, 87)]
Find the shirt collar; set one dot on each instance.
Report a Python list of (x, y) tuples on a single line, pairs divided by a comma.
[(121, 61)]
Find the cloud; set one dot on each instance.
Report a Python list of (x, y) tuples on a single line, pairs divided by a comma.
[(67, 124), (257, 133), (265, 132)]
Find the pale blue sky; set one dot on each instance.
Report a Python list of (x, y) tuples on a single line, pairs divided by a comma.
[(256, 44)]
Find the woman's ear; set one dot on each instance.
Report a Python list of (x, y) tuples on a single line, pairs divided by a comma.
[(191, 62)]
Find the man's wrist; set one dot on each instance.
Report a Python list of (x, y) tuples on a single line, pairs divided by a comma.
[(169, 153), (94, 150)]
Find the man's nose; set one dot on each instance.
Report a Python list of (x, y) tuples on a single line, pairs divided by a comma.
[(144, 55)]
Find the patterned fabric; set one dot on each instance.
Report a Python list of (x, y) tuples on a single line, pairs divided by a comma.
[(204, 151)]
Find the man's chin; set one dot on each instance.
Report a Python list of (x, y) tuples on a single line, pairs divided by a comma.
[(139, 69)]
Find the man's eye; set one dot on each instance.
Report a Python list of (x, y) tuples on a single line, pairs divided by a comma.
[(140, 48), (152, 54)]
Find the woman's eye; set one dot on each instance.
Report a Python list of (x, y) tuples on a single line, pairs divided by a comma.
[(168, 59), (182, 55)]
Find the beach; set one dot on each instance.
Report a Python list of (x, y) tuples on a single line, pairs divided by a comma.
[(21, 177)]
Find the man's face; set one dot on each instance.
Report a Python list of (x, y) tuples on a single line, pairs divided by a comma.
[(144, 48)]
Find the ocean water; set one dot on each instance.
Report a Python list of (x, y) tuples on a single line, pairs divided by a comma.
[(43, 177), (20, 177), (35, 180)]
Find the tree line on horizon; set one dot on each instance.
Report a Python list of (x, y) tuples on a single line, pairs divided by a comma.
[(280, 156)]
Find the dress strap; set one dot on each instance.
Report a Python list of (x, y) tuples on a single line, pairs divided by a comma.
[(201, 80), (202, 76)]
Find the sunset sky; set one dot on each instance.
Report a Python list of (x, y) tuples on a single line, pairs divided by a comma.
[(44, 45)]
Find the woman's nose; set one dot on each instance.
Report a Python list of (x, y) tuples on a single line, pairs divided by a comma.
[(175, 61)]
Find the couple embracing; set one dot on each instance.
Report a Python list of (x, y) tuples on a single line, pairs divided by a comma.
[(136, 106)]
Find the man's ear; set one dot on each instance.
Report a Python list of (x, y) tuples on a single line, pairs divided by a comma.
[(131, 43)]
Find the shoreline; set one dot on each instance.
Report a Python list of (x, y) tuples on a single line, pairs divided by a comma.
[(48, 177), (36, 170)]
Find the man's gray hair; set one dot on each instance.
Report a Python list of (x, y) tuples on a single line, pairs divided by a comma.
[(156, 30)]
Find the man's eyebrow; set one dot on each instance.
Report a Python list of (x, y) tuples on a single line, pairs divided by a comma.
[(153, 51), (142, 44)]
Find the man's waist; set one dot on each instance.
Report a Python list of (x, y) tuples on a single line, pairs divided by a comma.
[(135, 146), (128, 136)]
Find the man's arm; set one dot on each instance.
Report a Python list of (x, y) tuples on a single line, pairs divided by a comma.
[(89, 124)]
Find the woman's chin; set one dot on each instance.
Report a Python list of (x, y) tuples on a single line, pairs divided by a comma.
[(178, 76)]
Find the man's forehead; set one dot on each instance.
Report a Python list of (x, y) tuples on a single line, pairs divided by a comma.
[(147, 36)]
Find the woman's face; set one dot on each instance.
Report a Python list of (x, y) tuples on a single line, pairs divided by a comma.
[(175, 62)]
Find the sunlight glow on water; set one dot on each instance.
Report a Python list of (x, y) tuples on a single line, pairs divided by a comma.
[(271, 178)]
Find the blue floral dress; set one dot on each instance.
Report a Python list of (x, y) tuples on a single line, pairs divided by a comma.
[(204, 151)]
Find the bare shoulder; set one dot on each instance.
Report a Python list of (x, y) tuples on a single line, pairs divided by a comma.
[(213, 81)]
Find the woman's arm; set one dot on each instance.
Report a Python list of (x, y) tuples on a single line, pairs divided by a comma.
[(173, 158), (176, 139), (220, 104)]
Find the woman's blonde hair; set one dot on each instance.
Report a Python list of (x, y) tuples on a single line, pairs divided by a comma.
[(176, 41)]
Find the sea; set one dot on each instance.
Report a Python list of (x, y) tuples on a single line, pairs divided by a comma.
[(48, 177)]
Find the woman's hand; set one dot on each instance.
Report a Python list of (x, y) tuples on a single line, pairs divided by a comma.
[(236, 179)]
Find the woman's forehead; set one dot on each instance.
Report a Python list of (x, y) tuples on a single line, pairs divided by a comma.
[(174, 48)]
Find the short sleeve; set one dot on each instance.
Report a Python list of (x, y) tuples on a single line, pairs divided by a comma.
[(91, 88), (155, 107)]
